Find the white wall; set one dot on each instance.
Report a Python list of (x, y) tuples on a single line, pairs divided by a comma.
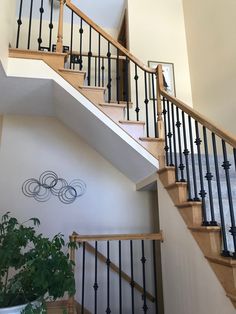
[(157, 33), (210, 29), (189, 284), (31, 145), (7, 23)]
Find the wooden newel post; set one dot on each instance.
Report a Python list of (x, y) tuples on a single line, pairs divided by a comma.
[(160, 86), (59, 47), (71, 300)]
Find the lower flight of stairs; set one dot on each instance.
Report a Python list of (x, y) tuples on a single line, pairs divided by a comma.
[(60, 307), (208, 238)]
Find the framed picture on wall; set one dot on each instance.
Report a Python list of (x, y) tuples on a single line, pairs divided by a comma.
[(168, 77)]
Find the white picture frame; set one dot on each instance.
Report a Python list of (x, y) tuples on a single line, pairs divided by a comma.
[(168, 77)]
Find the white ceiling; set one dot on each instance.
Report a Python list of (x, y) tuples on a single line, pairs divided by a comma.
[(106, 13)]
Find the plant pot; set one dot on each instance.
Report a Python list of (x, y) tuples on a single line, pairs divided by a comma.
[(12, 310), (17, 309)]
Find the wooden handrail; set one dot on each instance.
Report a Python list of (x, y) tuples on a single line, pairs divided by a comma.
[(226, 136), (115, 268), (109, 37), (115, 237)]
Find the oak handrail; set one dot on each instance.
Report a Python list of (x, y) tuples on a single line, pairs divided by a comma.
[(226, 136), (115, 268), (115, 237), (109, 37)]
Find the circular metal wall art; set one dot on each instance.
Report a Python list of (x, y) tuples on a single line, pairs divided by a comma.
[(50, 184)]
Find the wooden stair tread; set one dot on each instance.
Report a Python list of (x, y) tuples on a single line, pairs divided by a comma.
[(226, 261), (204, 228), (72, 71), (231, 296), (93, 88), (189, 204), (121, 102), (15, 52), (112, 105), (172, 185), (151, 139), (131, 122)]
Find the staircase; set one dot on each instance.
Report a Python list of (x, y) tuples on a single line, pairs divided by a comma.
[(197, 159)]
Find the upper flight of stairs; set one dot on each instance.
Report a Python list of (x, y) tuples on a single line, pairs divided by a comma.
[(96, 95), (208, 238)]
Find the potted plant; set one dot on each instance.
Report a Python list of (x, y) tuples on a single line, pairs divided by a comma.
[(32, 267)]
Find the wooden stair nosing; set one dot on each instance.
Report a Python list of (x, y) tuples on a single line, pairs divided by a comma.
[(189, 204), (132, 122), (112, 105), (204, 228), (98, 88), (225, 261), (72, 71), (151, 139), (165, 169), (176, 184)]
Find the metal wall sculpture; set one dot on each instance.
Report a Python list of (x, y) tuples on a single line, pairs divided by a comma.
[(50, 184)]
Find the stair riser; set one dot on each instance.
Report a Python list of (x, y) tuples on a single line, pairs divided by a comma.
[(167, 177), (227, 277), (192, 215), (95, 96), (209, 242), (116, 114), (135, 130), (178, 194), (74, 79), (155, 148)]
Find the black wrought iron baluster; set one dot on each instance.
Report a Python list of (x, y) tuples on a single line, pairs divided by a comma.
[(108, 262), (154, 107), (120, 280), (165, 130), (19, 22), (103, 72), (225, 251), (196, 198), (186, 155), (51, 26), (95, 61), (181, 164), (95, 286), (155, 274), (81, 31), (209, 177), (143, 261), (174, 142), (146, 101), (89, 55), (71, 38), (234, 150), (109, 72), (118, 76), (226, 166), (41, 11), (30, 23), (127, 86), (137, 109), (170, 134), (83, 278), (99, 60), (132, 275), (202, 192)]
